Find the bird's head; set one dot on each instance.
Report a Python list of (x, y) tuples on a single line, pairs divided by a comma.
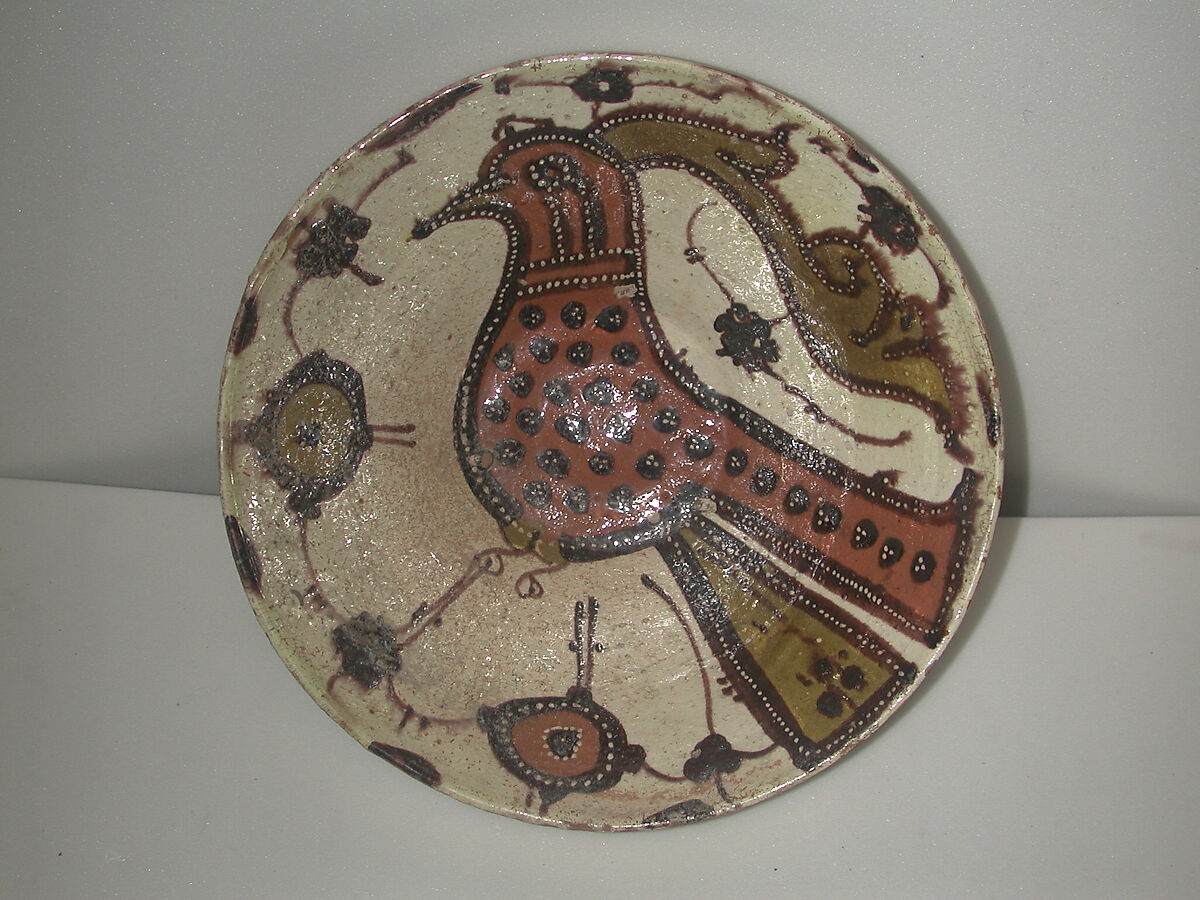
[(565, 194)]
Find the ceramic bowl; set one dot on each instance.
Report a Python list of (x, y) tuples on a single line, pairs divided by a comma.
[(609, 441)]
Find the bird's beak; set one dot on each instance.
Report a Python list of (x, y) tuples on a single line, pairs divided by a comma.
[(483, 199)]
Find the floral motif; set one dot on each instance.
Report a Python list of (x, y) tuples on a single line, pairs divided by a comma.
[(368, 648), (712, 756), (313, 431), (603, 86), (333, 244), (746, 338), (561, 745), (838, 681), (890, 221)]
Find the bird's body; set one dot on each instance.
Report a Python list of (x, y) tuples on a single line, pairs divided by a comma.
[(583, 432)]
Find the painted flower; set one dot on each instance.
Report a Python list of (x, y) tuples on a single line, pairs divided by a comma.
[(712, 756), (333, 244), (746, 338), (560, 745), (890, 221), (603, 86), (313, 431), (368, 648)]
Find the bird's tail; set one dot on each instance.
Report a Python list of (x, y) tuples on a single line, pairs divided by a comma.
[(895, 556), (813, 677)]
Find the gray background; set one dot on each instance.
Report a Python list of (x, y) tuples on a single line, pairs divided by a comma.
[(152, 746), (152, 147)]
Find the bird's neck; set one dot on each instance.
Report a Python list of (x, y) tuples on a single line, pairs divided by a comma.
[(580, 241), (618, 269), (585, 220)]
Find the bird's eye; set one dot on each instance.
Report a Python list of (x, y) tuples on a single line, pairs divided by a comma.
[(550, 173), (545, 175)]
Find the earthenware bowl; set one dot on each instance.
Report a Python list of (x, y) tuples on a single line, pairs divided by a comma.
[(609, 441)]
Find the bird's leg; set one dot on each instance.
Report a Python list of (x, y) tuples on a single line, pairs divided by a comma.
[(529, 587), (485, 562)]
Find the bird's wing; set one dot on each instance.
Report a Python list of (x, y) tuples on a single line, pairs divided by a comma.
[(855, 330), (704, 258)]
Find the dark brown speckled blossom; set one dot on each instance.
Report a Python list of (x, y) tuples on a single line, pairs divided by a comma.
[(368, 648), (746, 338), (333, 244)]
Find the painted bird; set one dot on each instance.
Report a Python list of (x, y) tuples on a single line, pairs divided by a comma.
[(582, 431)]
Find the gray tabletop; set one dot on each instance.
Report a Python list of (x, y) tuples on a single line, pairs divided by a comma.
[(154, 745)]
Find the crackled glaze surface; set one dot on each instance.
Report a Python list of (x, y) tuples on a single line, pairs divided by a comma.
[(609, 442)]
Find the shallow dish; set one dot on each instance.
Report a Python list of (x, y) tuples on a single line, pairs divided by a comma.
[(609, 442)]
